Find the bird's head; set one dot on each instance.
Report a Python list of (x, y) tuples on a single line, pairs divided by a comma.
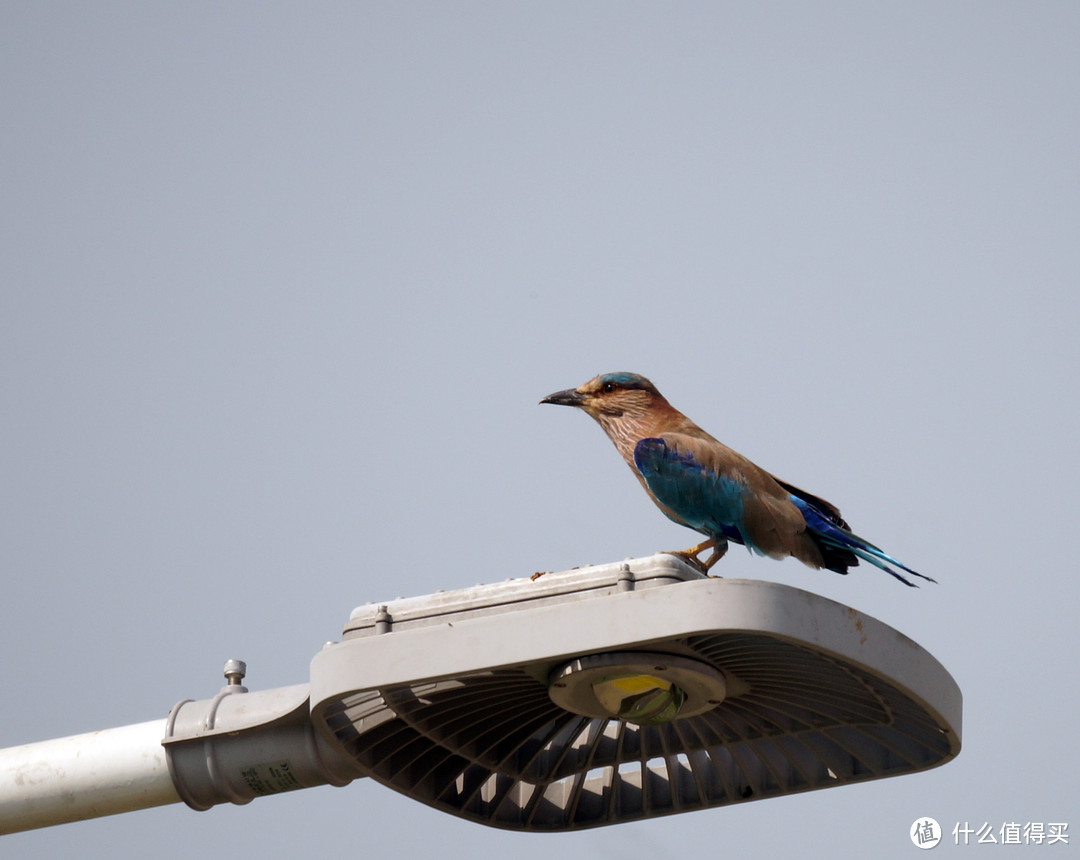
[(611, 396)]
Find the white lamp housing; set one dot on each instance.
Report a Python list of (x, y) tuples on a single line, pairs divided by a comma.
[(576, 699)]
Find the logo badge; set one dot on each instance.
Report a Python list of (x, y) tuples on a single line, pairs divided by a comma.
[(925, 833)]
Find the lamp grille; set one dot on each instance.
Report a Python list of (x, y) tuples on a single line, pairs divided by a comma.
[(492, 746)]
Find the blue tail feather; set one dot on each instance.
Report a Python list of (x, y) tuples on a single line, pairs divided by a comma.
[(851, 547)]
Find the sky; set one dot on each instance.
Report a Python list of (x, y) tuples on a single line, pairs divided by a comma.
[(281, 286)]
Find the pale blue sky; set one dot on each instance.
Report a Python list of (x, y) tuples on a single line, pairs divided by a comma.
[(281, 286)]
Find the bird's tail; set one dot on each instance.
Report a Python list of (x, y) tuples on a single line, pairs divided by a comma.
[(832, 537)]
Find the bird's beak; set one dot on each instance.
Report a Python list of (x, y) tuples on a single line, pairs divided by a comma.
[(570, 397)]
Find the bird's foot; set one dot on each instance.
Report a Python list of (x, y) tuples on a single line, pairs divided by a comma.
[(691, 560), (690, 556)]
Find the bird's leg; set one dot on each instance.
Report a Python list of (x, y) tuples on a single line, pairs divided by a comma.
[(698, 548), (691, 555), (716, 555)]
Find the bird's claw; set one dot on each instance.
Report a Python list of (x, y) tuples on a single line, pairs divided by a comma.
[(690, 556), (691, 560)]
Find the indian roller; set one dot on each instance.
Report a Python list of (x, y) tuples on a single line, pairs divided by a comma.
[(702, 484)]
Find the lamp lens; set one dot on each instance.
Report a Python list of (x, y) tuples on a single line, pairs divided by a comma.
[(644, 700)]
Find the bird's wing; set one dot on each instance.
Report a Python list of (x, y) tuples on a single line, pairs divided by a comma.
[(686, 489), (707, 486), (827, 509)]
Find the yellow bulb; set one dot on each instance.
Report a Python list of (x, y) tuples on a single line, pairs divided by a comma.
[(641, 699)]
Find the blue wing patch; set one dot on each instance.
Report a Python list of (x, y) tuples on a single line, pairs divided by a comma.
[(689, 493)]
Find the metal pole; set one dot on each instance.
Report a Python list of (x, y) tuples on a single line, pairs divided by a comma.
[(229, 749), (84, 776)]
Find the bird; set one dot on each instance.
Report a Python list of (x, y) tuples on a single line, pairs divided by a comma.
[(700, 483)]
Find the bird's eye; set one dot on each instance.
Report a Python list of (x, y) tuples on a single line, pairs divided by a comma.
[(609, 387)]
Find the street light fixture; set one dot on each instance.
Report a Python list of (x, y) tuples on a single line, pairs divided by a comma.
[(577, 699)]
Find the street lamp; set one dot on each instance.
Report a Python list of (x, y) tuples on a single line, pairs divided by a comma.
[(577, 699)]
